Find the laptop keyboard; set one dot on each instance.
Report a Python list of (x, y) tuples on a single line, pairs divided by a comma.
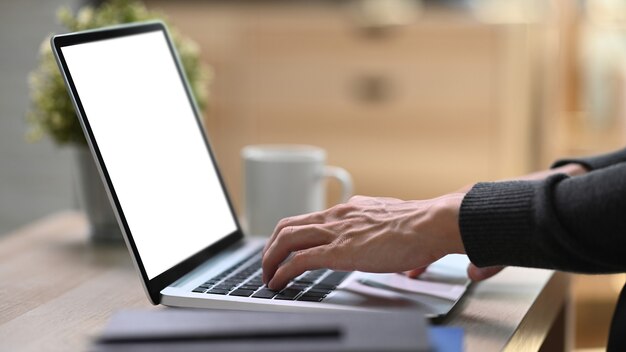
[(244, 280)]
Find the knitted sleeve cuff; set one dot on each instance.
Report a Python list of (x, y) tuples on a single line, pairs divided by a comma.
[(597, 161), (496, 220)]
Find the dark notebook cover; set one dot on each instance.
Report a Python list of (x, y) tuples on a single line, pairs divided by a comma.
[(220, 330)]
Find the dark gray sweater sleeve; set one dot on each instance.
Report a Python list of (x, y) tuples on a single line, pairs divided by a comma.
[(596, 162), (566, 223)]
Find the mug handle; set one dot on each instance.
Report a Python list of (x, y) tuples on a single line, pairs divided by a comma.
[(344, 178)]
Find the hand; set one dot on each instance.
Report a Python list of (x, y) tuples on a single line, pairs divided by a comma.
[(365, 234), (478, 274)]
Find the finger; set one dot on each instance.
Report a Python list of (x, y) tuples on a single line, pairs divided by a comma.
[(478, 274), (292, 239), (416, 272), (304, 219), (301, 261)]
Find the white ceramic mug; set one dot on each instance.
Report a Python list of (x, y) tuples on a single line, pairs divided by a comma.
[(286, 180)]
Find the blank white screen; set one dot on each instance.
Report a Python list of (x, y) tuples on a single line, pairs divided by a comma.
[(152, 147)]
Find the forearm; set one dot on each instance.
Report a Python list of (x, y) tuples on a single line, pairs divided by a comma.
[(567, 223)]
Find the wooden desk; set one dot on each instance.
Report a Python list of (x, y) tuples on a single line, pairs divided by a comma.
[(58, 290)]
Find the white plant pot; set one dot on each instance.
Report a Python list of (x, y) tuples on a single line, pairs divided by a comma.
[(93, 200)]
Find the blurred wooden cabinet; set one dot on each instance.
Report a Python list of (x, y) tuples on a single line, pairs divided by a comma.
[(411, 112)]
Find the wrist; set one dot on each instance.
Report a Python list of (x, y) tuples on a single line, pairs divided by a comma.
[(447, 217)]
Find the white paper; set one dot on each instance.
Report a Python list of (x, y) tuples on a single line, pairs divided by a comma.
[(402, 283), (445, 279)]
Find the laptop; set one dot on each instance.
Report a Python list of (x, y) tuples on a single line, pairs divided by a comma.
[(145, 133)]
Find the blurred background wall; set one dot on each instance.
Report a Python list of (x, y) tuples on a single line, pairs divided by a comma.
[(414, 98), (35, 178)]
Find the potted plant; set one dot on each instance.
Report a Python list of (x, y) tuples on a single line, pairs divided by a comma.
[(52, 113)]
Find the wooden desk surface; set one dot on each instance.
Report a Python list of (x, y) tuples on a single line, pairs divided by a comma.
[(58, 290)]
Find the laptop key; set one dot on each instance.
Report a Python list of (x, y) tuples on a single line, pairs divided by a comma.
[(264, 293), (324, 287), (225, 287), (299, 286), (318, 290), (249, 287), (288, 294), (199, 290), (334, 278), (307, 298), (217, 291), (241, 293), (315, 294), (231, 282)]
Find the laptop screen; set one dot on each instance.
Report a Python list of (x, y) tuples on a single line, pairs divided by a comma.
[(152, 146)]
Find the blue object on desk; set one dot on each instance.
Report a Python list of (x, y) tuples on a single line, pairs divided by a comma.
[(446, 339)]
